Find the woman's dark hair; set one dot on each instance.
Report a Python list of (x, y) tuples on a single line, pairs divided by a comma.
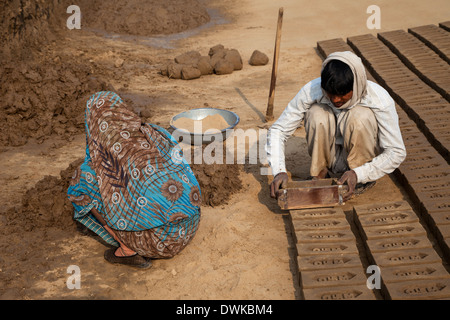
[(337, 78)]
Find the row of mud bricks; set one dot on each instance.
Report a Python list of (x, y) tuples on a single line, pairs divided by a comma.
[(340, 255), (413, 66)]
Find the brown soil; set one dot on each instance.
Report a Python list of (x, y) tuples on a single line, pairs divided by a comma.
[(143, 18), (243, 248)]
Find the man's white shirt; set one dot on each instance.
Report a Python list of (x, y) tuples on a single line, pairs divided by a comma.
[(390, 140)]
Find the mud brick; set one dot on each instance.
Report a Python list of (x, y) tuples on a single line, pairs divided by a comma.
[(440, 217), (393, 231), (329, 46), (320, 224), (339, 293), (430, 117), (444, 229), (429, 175), (381, 208), (438, 125), (415, 139), (434, 195), (431, 185), (403, 243), (324, 236), (420, 289), (328, 261), (431, 108), (406, 257), (411, 272), (413, 158), (431, 164), (388, 218), (445, 25), (317, 213), (412, 129), (333, 278), (320, 248), (413, 152), (415, 96), (437, 205)]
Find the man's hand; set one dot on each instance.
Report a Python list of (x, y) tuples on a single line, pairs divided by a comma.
[(278, 182), (351, 179)]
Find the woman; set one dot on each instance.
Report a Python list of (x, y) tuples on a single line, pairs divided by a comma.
[(134, 189)]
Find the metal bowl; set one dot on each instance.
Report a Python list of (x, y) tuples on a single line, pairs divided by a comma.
[(204, 138)]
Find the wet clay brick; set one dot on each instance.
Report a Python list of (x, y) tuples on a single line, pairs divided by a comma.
[(404, 257), (320, 224), (388, 218), (319, 248), (434, 37), (445, 25), (440, 217), (411, 159), (317, 213), (339, 293), (437, 205), (420, 289), (428, 175), (324, 236), (393, 231), (434, 195), (403, 243), (328, 261), (411, 272), (432, 185), (432, 164), (444, 230), (412, 152), (381, 208), (332, 278)]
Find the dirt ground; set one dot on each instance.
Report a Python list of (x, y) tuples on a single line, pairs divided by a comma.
[(243, 248)]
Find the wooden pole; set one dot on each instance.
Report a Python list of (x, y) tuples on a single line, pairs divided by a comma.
[(269, 112)]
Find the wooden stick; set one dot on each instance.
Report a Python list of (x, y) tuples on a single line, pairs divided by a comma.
[(269, 112)]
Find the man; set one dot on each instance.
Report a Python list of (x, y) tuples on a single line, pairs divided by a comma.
[(351, 126)]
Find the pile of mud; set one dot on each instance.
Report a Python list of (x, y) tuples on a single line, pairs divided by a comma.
[(44, 90), (218, 182), (192, 65), (143, 17), (220, 60), (47, 205)]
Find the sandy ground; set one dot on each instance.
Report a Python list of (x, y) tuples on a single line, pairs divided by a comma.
[(243, 249)]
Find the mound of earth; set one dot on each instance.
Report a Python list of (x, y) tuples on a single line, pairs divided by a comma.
[(192, 65), (143, 17), (44, 91), (46, 204)]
